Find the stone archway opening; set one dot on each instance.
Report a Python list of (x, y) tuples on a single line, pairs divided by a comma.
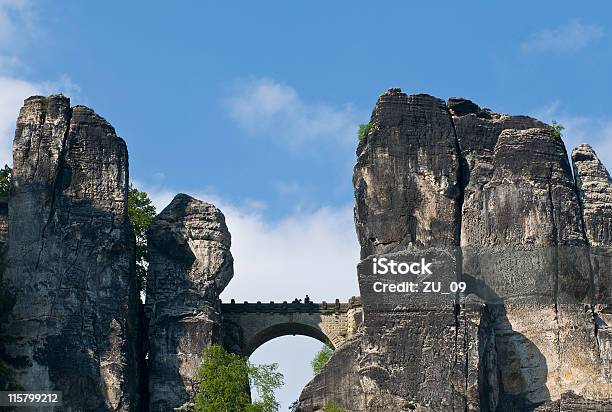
[(294, 355), (285, 329)]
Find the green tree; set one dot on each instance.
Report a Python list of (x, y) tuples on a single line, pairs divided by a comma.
[(141, 213), (224, 383), (266, 379), (558, 129), (321, 358), (6, 174), (224, 379), (363, 131)]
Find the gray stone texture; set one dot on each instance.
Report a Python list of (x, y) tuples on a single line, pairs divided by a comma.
[(497, 193), (523, 244), (595, 192), (405, 179), (190, 265), (74, 326)]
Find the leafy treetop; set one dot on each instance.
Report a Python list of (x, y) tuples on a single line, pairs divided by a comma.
[(141, 213), (363, 131), (321, 358), (224, 383), (558, 129)]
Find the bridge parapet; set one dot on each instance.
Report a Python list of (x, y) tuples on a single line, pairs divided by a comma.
[(294, 306)]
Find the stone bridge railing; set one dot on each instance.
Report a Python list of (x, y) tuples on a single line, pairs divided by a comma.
[(294, 306), (253, 324)]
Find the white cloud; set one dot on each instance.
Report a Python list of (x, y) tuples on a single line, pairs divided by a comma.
[(268, 108), (568, 38), (312, 253), (13, 93), (309, 253), (16, 28), (596, 131)]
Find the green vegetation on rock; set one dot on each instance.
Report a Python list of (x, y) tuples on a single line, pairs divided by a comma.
[(6, 173), (363, 131), (558, 129), (224, 383), (321, 358)]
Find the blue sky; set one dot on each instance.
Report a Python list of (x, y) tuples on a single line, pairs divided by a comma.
[(254, 105)]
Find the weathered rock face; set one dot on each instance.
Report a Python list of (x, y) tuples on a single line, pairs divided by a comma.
[(406, 176), (408, 202), (74, 326), (190, 265), (477, 133), (595, 191), (523, 244), (430, 178), (526, 245), (423, 359)]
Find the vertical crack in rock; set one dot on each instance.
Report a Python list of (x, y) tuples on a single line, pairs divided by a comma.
[(58, 167), (462, 178), (477, 133), (580, 196)]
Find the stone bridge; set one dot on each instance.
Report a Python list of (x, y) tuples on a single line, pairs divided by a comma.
[(253, 324)]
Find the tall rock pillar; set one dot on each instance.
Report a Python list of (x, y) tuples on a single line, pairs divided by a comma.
[(416, 351), (595, 192), (190, 265), (74, 326)]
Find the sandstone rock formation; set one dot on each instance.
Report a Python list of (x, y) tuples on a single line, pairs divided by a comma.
[(395, 208), (527, 246), (488, 199), (408, 202), (74, 326), (190, 265), (595, 191), (493, 195)]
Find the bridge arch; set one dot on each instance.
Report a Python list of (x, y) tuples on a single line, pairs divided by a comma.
[(283, 329), (253, 324)]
